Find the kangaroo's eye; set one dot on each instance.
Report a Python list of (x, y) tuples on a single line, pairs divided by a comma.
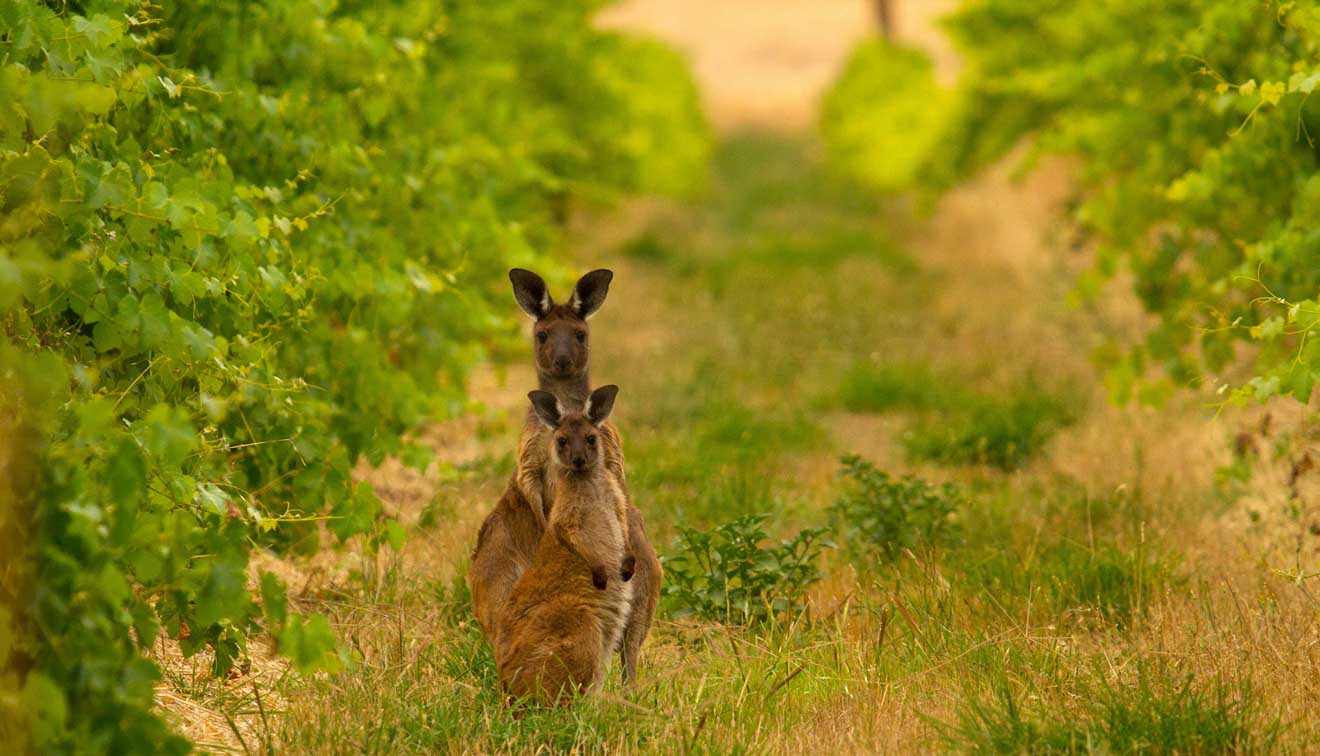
[(562, 442), (582, 337), (542, 337), (591, 440)]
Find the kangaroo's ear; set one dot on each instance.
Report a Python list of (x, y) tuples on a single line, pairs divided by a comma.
[(600, 403), (589, 293), (547, 408), (530, 291)]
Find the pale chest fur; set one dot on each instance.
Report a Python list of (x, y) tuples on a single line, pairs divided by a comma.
[(593, 507)]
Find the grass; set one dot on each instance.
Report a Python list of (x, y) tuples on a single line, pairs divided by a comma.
[(890, 386), (959, 424), (1072, 558), (758, 336), (445, 698), (1005, 432), (721, 460), (1159, 712), (1110, 582)]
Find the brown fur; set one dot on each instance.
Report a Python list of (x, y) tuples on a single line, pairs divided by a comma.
[(566, 614), (511, 533)]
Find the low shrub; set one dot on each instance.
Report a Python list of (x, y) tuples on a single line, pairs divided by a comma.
[(879, 513), (730, 574)]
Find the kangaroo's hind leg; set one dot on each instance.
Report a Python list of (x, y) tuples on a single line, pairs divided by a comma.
[(645, 597)]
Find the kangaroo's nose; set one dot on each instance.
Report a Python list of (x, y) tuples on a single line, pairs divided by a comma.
[(562, 364), (579, 462)]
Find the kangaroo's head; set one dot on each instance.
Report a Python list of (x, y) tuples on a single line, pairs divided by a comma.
[(559, 339), (575, 445)]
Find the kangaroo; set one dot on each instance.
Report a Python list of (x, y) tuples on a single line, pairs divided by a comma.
[(511, 533), (565, 616)]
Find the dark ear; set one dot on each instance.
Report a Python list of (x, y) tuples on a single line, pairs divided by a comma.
[(530, 291), (547, 408), (600, 403), (589, 294)]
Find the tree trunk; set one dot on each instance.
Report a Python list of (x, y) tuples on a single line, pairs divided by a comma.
[(884, 14)]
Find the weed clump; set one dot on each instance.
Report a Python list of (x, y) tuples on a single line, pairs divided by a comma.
[(879, 513), (729, 574)]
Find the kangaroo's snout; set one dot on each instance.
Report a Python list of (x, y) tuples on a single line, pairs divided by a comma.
[(563, 364), (579, 462)]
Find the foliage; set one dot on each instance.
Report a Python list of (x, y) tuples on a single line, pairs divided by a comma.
[(20, 404), (240, 242), (655, 130), (728, 575), (1194, 125), (883, 116), (878, 513)]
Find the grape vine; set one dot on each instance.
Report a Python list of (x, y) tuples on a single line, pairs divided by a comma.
[(1195, 132), (242, 246)]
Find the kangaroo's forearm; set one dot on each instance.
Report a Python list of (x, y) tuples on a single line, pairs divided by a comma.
[(585, 549), (529, 483)]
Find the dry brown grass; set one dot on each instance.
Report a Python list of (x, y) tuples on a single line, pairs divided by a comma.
[(229, 715)]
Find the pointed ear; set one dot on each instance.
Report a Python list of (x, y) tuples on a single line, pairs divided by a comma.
[(547, 408), (530, 291), (600, 403), (589, 293)]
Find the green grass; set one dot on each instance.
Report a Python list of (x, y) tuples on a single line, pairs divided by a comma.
[(899, 385), (1160, 712), (763, 178), (771, 282), (445, 699), (716, 458), (1001, 431), (1054, 550), (958, 424), (1110, 582), (771, 210)]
